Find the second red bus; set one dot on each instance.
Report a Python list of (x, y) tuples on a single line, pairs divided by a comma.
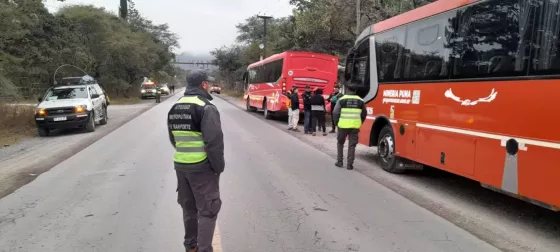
[(268, 80)]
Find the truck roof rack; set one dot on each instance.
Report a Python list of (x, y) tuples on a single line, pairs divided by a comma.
[(80, 80)]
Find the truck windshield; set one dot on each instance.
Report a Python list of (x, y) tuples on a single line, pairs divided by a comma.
[(67, 93)]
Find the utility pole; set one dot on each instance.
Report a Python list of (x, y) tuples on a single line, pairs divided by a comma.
[(265, 18), (123, 9), (358, 17)]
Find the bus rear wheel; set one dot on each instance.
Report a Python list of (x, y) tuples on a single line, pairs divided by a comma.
[(386, 150), (267, 114), (248, 106)]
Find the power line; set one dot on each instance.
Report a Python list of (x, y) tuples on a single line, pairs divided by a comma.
[(264, 8), (275, 4), (277, 10)]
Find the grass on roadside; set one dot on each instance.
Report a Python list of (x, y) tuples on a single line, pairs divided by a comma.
[(232, 93), (124, 101), (16, 122)]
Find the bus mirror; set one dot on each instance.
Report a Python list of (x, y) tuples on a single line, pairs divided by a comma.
[(245, 77)]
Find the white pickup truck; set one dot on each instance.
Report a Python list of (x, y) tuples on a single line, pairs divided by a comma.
[(75, 105)]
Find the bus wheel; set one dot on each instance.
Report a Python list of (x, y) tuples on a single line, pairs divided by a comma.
[(267, 114), (386, 150), (248, 106)]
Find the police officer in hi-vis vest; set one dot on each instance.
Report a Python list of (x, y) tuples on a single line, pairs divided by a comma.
[(196, 133), (349, 114)]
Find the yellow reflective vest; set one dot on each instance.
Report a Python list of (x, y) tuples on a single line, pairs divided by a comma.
[(184, 123), (350, 116)]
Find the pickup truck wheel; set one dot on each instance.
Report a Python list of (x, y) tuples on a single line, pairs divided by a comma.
[(104, 119), (43, 132), (90, 126)]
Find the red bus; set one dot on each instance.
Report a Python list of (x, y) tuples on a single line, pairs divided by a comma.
[(268, 80), (460, 85)]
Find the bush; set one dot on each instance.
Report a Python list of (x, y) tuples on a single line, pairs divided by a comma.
[(16, 122)]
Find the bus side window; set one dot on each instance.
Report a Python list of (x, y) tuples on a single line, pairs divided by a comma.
[(390, 52), (545, 54), (492, 40)]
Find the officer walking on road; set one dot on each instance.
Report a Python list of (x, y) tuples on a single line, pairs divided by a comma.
[(196, 133), (349, 113)]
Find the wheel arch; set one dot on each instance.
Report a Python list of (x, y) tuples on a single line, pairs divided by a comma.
[(378, 125)]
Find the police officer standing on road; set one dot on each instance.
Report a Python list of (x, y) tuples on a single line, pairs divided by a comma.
[(196, 133), (349, 113)]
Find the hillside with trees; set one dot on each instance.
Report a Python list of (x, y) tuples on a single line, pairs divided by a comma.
[(324, 26), (118, 52)]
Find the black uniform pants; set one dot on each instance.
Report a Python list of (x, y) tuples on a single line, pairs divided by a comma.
[(318, 118), (199, 196), (352, 135), (332, 120)]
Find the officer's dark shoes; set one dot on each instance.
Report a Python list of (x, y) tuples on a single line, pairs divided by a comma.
[(338, 164), (350, 167)]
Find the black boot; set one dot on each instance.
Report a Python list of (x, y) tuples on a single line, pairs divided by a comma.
[(338, 164), (350, 167)]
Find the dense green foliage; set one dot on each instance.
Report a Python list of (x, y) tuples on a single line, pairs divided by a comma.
[(119, 53), (326, 26)]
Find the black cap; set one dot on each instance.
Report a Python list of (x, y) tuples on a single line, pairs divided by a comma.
[(196, 77)]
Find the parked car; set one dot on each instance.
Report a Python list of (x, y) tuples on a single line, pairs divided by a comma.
[(215, 89), (73, 104), (164, 89)]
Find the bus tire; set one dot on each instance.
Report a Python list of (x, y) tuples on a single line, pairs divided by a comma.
[(386, 150), (267, 114), (248, 106)]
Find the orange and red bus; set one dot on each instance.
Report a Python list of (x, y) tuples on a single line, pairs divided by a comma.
[(462, 86), (268, 80)]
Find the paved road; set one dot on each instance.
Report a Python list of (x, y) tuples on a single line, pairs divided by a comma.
[(22, 162), (279, 194)]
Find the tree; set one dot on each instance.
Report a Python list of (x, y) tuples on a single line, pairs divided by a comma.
[(34, 42), (326, 26)]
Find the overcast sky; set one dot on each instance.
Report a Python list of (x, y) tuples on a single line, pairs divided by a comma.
[(202, 25)]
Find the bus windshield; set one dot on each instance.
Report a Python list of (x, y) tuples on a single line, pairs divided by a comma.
[(307, 62)]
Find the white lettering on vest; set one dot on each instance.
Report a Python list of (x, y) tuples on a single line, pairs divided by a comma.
[(180, 116), (183, 106), (180, 127)]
